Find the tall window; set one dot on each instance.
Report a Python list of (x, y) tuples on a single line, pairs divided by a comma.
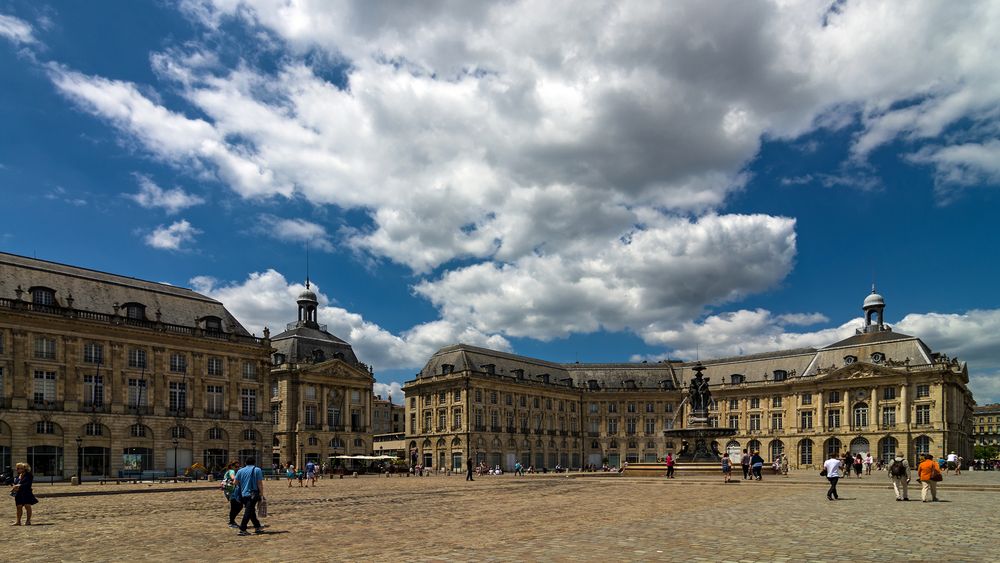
[(833, 418), (137, 395), (178, 363), (612, 407), (806, 452), (806, 420), (457, 418), (650, 426), (443, 419), (310, 415), (215, 398), (274, 389), (45, 387), (215, 433), (612, 426), (776, 401), (309, 392), (922, 445), (734, 404), (889, 393), (776, 421), (807, 399), (630, 424), (834, 396), (93, 390), (755, 402), (734, 421), (275, 414), (93, 353), (94, 429), (248, 402), (136, 358), (860, 415), (178, 396), (923, 414), (650, 407), (888, 416), (427, 422), (923, 391), (479, 395), (249, 370), (215, 365), (631, 407), (45, 427), (45, 348), (493, 397), (137, 431), (332, 417), (457, 396), (754, 422)]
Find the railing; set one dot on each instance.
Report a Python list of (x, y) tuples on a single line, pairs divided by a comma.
[(179, 412), (21, 305), (215, 414), (456, 426), (96, 408), (143, 409), (251, 417), (46, 406), (313, 426)]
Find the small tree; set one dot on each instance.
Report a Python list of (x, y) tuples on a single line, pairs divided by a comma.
[(986, 452)]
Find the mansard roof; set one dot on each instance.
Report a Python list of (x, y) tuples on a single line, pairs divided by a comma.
[(300, 342), (100, 292)]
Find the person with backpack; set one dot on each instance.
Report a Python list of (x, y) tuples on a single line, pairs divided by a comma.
[(231, 493), (899, 472)]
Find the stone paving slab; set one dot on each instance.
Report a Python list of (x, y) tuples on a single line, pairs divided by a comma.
[(532, 519)]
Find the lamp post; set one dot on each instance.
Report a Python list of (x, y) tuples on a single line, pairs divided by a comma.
[(253, 446), (175, 460), (79, 460)]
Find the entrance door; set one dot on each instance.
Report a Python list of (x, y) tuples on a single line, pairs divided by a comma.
[(183, 460), (734, 450)]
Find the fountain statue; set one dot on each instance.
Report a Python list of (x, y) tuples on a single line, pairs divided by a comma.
[(697, 438)]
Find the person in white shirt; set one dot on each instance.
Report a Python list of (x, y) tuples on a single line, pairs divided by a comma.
[(833, 467), (953, 462)]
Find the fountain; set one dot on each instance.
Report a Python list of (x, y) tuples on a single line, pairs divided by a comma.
[(699, 446)]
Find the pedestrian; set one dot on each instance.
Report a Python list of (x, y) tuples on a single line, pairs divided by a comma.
[(784, 465), (250, 483), (832, 469), (24, 498), (290, 473), (756, 464), (727, 468), (310, 473), (858, 463), (868, 463), (468, 470), (231, 493), (745, 464), (958, 466), (299, 474), (669, 460), (848, 462), (952, 462), (929, 473), (899, 472)]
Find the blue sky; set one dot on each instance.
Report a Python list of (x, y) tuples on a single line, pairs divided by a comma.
[(592, 182)]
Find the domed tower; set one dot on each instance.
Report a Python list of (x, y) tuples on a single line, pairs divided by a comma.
[(874, 307), (307, 307)]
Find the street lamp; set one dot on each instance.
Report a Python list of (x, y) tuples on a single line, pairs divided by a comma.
[(175, 460), (79, 460)]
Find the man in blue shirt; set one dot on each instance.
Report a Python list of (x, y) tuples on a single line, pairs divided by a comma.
[(250, 484), (311, 473)]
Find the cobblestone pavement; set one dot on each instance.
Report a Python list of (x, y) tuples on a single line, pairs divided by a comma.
[(533, 518)]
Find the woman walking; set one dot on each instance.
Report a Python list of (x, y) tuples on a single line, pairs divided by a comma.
[(290, 473), (24, 498), (232, 495), (727, 468), (832, 471), (857, 465), (929, 473)]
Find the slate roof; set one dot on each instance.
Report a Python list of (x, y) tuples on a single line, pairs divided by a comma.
[(299, 343), (98, 291)]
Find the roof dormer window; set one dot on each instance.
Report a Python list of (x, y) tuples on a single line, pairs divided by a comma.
[(43, 296), (878, 357), (213, 324), (736, 378), (780, 375), (135, 311), (848, 360)]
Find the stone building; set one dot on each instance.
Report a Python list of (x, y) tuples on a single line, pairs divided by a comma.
[(986, 425), (321, 395), (112, 374), (878, 391), (387, 417)]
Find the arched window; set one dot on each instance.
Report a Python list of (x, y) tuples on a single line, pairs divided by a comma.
[(138, 431), (42, 296), (860, 446), (94, 429), (861, 415), (775, 449), (216, 433), (135, 311), (250, 435), (213, 324), (338, 443), (806, 452), (833, 447), (313, 441), (595, 445), (178, 432), (922, 445), (613, 445), (753, 445)]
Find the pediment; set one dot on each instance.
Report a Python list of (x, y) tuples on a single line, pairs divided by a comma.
[(861, 370), (336, 368)]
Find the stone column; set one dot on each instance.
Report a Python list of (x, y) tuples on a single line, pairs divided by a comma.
[(196, 385), (873, 420), (820, 412), (71, 378), (904, 408)]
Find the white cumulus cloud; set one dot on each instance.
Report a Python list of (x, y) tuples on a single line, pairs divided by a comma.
[(172, 237), (153, 196), (294, 230), (16, 30)]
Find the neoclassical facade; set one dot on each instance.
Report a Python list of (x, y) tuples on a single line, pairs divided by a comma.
[(878, 391), (106, 373), (321, 395), (986, 425)]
